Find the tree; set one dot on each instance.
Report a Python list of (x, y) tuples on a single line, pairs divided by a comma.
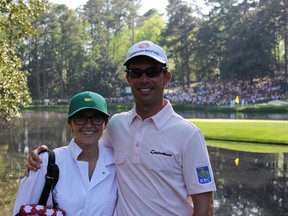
[(107, 21), (56, 55), (208, 49), (248, 49), (16, 17), (150, 29), (179, 38), (238, 39)]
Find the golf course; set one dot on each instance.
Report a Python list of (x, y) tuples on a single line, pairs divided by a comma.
[(249, 135), (245, 135)]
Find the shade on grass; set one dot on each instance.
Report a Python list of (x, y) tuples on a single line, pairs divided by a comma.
[(248, 147), (253, 131)]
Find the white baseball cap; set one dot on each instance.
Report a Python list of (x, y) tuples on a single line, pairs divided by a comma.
[(147, 48)]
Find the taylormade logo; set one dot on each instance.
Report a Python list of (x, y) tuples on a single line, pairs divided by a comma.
[(160, 153)]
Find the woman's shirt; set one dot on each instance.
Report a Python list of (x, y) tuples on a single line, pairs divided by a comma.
[(74, 192)]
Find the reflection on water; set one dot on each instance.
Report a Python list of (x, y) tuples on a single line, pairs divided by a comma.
[(257, 186)]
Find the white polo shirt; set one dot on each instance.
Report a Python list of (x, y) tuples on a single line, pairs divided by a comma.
[(160, 162), (74, 192)]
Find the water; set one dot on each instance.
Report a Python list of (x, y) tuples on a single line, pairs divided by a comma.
[(257, 186)]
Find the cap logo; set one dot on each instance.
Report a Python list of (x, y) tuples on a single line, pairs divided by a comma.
[(88, 99), (149, 49), (143, 45)]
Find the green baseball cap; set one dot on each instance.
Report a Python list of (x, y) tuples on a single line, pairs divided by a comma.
[(87, 100)]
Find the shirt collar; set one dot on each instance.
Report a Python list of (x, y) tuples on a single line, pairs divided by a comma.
[(75, 149), (105, 154), (159, 118)]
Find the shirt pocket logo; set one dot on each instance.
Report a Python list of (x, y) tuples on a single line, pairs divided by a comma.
[(203, 175)]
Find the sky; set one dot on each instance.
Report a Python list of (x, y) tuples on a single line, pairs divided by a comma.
[(159, 5), (146, 4)]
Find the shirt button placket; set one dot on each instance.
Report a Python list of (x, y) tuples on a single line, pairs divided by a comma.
[(137, 145)]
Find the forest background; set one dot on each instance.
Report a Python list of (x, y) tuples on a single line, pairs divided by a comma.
[(50, 51)]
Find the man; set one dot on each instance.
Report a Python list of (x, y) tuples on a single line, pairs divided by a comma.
[(162, 163)]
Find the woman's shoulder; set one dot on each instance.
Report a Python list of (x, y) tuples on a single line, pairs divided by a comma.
[(61, 153), (61, 150)]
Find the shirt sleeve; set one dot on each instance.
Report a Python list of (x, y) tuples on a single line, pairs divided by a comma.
[(197, 169), (106, 138), (31, 187)]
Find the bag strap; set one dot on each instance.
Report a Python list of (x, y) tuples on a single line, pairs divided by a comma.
[(51, 179)]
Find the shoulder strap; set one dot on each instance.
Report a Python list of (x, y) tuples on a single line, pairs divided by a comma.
[(51, 177)]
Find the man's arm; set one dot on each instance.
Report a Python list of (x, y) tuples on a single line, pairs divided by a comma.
[(33, 160), (203, 204)]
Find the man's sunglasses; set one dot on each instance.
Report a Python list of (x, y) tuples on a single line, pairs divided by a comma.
[(150, 72), (81, 119)]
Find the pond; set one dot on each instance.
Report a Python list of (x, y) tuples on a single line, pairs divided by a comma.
[(257, 186)]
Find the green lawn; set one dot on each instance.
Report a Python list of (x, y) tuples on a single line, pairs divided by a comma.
[(253, 131)]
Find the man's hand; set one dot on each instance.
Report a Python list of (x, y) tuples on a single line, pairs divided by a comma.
[(33, 160)]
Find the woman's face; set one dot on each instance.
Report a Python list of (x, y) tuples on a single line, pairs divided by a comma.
[(87, 126)]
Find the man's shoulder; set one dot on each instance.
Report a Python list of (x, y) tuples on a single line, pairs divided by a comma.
[(185, 123)]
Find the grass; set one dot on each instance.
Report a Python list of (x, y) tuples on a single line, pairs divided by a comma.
[(248, 147), (255, 131)]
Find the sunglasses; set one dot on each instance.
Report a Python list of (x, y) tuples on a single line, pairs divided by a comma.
[(149, 72), (81, 119)]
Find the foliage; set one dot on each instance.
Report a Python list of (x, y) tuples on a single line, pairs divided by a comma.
[(13, 83), (209, 44), (240, 40), (84, 49), (15, 24), (247, 52), (56, 54), (150, 29), (179, 37)]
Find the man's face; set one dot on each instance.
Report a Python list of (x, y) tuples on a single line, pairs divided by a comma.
[(148, 90)]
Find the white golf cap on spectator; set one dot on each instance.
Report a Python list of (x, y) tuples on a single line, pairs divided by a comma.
[(147, 48)]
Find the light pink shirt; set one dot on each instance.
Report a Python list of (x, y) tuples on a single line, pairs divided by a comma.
[(160, 162)]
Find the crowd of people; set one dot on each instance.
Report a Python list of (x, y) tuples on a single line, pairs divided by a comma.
[(218, 92)]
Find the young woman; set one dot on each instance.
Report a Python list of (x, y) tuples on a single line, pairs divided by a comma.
[(87, 180)]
